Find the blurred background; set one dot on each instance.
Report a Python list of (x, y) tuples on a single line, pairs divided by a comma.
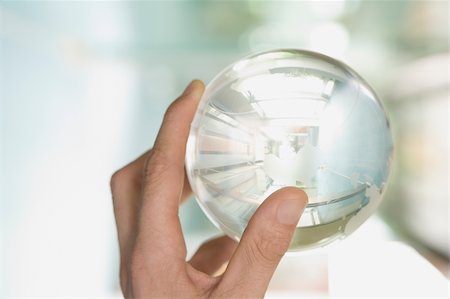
[(84, 85)]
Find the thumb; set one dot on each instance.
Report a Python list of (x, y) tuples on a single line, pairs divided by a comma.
[(264, 242)]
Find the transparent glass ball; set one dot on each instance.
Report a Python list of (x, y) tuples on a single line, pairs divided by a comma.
[(290, 118)]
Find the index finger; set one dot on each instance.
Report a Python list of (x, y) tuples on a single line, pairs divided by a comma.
[(159, 229)]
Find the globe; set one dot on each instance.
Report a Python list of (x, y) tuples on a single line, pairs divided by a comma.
[(290, 118)]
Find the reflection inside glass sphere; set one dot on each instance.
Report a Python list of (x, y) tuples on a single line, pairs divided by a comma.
[(290, 118)]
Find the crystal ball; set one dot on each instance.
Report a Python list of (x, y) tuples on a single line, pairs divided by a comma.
[(290, 118)]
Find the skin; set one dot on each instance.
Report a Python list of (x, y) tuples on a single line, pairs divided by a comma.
[(146, 196)]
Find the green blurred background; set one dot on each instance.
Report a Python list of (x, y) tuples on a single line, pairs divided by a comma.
[(84, 85)]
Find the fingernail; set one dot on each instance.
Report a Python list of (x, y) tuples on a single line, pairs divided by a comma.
[(189, 88), (289, 210)]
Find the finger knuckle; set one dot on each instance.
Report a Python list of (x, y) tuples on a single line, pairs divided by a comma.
[(172, 110), (157, 163), (269, 248), (158, 157), (118, 177)]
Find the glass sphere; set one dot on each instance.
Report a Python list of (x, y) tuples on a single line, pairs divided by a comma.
[(290, 118)]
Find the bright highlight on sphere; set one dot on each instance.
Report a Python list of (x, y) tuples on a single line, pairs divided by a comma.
[(290, 118)]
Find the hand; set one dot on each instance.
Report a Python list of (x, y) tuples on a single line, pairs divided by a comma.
[(147, 194)]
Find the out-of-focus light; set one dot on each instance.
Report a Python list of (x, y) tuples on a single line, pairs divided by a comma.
[(329, 38), (109, 24), (263, 38), (420, 102), (328, 9), (377, 272), (426, 74)]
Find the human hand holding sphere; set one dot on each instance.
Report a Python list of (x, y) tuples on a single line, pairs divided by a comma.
[(260, 144), (146, 196)]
